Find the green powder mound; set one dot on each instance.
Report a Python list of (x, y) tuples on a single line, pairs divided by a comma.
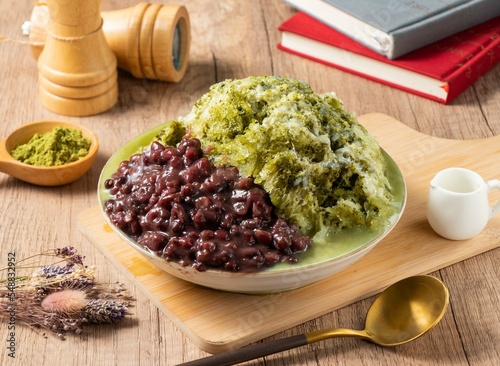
[(320, 167), (60, 146)]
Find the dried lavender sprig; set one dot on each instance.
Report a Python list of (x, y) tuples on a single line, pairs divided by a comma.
[(53, 271), (100, 311), (53, 278), (63, 252), (59, 324), (66, 277), (109, 292), (68, 254)]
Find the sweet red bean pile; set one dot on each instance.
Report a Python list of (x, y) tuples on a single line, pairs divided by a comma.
[(175, 202)]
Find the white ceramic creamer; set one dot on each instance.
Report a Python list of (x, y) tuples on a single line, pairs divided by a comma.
[(458, 206)]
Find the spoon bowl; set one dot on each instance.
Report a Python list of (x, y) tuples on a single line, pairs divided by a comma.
[(45, 175), (401, 313), (406, 310)]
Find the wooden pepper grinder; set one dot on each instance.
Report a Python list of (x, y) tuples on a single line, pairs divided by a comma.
[(149, 40), (76, 70)]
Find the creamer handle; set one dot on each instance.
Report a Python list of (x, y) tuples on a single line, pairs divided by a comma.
[(494, 184)]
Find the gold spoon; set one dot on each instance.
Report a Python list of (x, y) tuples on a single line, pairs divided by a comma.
[(43, 175), (402, 313)]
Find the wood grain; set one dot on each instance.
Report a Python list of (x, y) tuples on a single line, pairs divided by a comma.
[(218, 321), (230, 39)]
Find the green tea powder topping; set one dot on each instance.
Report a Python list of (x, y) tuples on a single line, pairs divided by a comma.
[(60, 146)]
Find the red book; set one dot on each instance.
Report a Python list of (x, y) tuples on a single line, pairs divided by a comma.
[(439, 71)]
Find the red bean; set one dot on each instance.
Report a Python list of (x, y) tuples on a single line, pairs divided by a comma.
[(263, 236), (174, 202)]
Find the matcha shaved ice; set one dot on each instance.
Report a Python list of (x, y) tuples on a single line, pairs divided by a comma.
[(320, 167)]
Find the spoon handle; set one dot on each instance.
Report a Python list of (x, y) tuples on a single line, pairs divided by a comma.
[(7, 162), (250, 352)]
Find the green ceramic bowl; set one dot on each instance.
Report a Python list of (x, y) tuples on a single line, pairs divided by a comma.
[(322, 260)]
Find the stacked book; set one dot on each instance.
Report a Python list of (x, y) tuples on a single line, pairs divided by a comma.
[(432, 48)]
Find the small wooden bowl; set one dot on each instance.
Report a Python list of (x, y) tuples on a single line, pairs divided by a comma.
[(43, 175)]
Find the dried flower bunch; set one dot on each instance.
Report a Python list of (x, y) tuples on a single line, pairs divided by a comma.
[(60, 298)]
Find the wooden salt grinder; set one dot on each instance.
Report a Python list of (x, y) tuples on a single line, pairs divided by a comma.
[(77, 70)]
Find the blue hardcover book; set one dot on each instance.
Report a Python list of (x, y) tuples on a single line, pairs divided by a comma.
[(396, 27)]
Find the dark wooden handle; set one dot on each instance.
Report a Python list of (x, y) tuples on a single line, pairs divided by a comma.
[(250, 352)]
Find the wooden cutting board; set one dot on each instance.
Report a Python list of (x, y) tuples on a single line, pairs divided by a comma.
[(218, 321)]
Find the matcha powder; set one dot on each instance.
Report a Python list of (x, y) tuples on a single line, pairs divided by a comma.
[(60, 146)]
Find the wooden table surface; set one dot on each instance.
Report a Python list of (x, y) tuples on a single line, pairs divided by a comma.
[(230, 39)]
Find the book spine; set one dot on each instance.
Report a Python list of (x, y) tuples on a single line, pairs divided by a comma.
[(353, 27), (457, 82), (475, 68), (368, 76)]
